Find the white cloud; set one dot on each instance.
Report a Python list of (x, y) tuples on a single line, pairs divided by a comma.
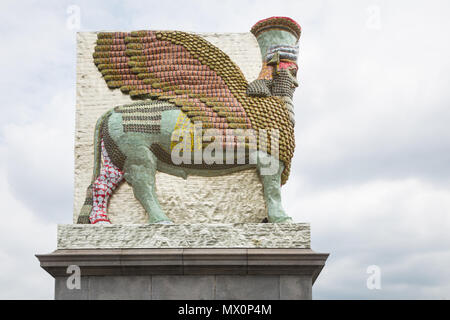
[(371, 165), (400, 225), (39, 159), (373, 102), (35, 195), (22, 236)]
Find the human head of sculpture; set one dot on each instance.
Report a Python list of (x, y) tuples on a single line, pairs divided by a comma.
[(278, 41)]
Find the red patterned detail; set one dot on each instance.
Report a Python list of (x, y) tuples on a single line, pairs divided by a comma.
[(108, 180), (168, 71), (277, 22)]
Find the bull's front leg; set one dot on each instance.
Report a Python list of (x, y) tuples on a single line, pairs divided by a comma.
[(270, 169)]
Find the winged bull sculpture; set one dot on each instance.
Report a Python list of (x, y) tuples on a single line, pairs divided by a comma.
[(193, 100)]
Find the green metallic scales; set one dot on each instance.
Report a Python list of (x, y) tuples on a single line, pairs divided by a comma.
[(143, 117), (116, 156)]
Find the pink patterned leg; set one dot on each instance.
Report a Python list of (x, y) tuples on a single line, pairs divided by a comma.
[(104, 185)]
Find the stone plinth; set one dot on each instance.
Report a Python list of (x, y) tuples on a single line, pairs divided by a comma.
[(197, 261), (187, 273), (236, 235)]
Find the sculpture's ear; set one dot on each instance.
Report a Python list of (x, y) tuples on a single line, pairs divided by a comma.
[(275, 61), (259, 88)]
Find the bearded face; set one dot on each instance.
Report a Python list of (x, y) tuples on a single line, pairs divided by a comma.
[(279, 79), (282, 83)]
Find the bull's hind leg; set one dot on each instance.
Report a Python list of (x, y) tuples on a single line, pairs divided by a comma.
[(108, 180), (140, 170)]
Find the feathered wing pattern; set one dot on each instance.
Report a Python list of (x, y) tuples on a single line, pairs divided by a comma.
[(145, 64), (190, 72)]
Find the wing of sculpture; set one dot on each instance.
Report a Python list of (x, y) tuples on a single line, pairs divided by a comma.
[(196, 76), (179, 67)]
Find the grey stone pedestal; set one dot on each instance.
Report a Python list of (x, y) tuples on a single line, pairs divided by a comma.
[(254, 272), (186, 273)]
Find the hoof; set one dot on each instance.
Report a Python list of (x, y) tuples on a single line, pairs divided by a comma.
[(283, 220), (287, 220), (168, 222), (102, 223)]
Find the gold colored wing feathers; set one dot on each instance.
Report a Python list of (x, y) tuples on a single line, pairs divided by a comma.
[(174, 66)]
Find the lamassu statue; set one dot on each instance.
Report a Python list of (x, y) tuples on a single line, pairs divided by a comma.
[(195, 115)]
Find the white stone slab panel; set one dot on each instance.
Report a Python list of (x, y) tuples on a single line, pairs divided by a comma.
[(237, 235), (235, 198)]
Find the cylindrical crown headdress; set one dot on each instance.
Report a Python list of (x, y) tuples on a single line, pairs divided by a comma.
[(278, 40)]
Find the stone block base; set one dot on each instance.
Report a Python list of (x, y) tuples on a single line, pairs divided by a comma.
[(188, 287), (201, 235), (208, 273)]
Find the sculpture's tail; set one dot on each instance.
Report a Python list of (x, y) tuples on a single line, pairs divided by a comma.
[(83, 217)]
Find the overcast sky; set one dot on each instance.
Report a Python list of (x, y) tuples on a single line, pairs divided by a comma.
[(371, 170)]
